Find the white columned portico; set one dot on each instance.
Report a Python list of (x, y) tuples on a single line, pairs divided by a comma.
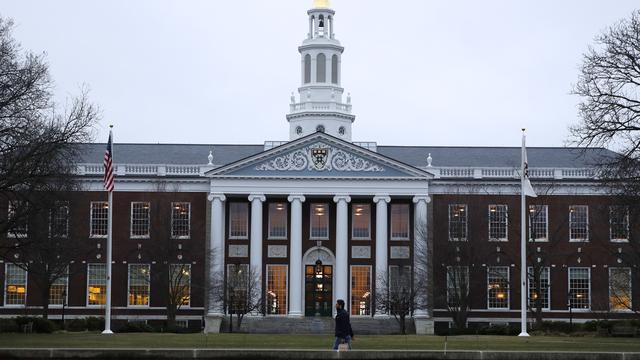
[(381, 246), (342, 247), (295, 257), (423, 321), (255, 257), (215, 307)]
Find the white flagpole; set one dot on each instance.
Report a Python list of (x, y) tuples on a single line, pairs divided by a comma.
[(107, 316), (523, 245)]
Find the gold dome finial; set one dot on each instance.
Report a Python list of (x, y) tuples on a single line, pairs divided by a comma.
[(321, 4)]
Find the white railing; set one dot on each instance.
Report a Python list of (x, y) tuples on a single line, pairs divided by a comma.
[(146, 170), (510, 173), (320, 106)]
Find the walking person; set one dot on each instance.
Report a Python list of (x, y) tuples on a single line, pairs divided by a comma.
[(344, 333)]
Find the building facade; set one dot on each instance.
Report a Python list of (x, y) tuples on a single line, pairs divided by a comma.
[(320, 217)]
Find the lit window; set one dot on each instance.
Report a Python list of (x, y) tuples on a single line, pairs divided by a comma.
[(59, 290), (96, 284), (180, 284), (400, 222), (16, 285), (579, 288), (319, 221), (498, 222), (538, 223), (540, 294), (360, 290), (238, 279), (498, 287), (277, 221), (620, 289), (458, 287), (361, 222), (140, 219), (277, 289), (457, 222), (99, 219), (180, 220), (619, 223), (17, 219), (139, 284), (578, 223), (238, 220)]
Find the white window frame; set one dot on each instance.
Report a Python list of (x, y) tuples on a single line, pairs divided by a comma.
[(508, 280), (611, 238), (532, 209), (311, 237), (129, 286), (396, 238), (630, 270), (182, 306), (371, 284), (91, 234), (246, 221), (466, 221), (10, 209), (246, 268), (26, 287), (286, 221), (286, 294), (530, 288), (571, 238), (94, 306), (449, 276), (65, 300), (58, 205), (148, 234), (569, 287), (353, 214), (506, 220), (173, 208)]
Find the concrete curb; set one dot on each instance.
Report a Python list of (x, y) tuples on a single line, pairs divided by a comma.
[(235, 354)]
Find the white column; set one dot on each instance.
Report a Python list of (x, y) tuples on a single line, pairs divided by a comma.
[(342, 248), (382, 237), (295, 257), (420, 250), (216, 256), (255, 257)]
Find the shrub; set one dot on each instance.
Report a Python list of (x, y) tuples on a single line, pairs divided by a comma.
[(40, 325), (9, 325), (95, 323), (135, 327), (76, 325)]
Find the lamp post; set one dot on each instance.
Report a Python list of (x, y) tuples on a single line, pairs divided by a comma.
[(570, 310), (64, 303)]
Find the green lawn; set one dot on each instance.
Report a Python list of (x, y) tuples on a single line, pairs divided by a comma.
[(253, 341)]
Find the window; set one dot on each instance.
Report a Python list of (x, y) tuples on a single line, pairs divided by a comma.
[(620, 289), (277, 220), (319, 221), (277, 289), (361, 221), (238, 220), (237, 288), (498, 222), (15, 285), (360, 290), (399, 279), (619, 223), (180, 283), (99, 219), (579, 288), (542, 292), (321, 68), (180, 220), (17, 219), (96, 284), (400, 222), (140, 219), (58, 292), (334, 69), (139, 284), (578, 223), (458, 287), (457, 222), (538, 223), (307, 69), (498, 287), (59, 220)]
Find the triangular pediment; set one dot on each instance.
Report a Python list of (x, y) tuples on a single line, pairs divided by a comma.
[(319, 156)]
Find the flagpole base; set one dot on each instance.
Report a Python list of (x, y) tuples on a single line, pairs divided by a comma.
[(524, 334), (107, 332)]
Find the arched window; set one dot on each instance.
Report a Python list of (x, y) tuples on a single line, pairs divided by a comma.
[(321, 68), (334, 69), (307, 69)]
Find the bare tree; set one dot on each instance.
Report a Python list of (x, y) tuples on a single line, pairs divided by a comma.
[(242, 293)]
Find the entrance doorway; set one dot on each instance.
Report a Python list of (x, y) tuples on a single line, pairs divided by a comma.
[(318, 290)]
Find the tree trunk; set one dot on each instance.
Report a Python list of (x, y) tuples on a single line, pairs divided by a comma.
[(230, 322), (171, 315), (403, 325), (45, 302)]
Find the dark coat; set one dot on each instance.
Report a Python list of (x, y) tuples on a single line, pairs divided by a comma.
[(343, 325)]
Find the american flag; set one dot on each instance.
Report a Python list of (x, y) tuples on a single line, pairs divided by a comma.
[(108, 165)]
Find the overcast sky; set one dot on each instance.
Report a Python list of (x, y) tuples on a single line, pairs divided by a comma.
[(421, 72)]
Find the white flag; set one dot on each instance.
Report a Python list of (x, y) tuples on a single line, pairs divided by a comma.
[(527, 189)]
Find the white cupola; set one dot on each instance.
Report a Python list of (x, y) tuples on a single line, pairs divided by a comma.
[(320, 105)]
